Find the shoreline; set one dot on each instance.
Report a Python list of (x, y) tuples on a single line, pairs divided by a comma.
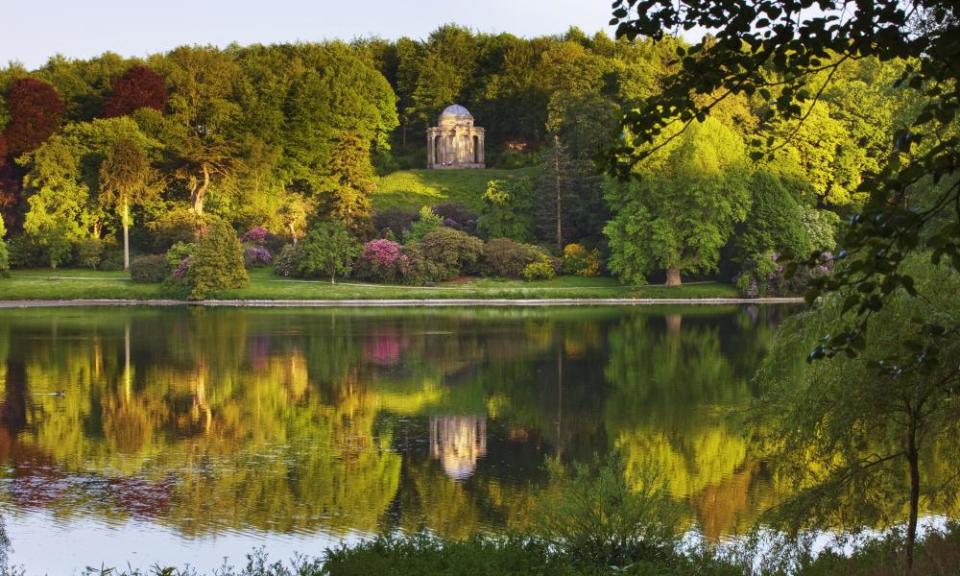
[(393, 303)]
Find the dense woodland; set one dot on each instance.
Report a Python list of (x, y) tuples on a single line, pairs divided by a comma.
[(274, 140)]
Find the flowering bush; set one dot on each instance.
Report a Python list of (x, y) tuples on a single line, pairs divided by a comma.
[(580, 261), (382, 261), (256, 256), (257, 235)]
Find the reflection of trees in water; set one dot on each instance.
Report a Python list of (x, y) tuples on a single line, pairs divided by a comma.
[(674, 388), (283, 422)]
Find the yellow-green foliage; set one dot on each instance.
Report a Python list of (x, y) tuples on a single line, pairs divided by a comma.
[(412, 189), (4, 255), (580, 261)]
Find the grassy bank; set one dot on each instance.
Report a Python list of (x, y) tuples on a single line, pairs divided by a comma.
[(88, 284), (411, 189), (938, 554)]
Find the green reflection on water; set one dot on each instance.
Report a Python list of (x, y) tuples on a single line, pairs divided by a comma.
[(365, 420)]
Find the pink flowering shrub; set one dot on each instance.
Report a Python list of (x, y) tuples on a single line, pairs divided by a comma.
[(257, 235), (382, 261)]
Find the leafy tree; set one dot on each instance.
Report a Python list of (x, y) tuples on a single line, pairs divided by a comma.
[(203, 112), (679, 213), (217, 261), (789, 57), (328, 249), (507, 210), (293, 213), (138, 87), (862, 436), (775, 222), (35, 111), (126, 177)]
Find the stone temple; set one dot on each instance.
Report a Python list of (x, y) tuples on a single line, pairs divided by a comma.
[(455, 142)]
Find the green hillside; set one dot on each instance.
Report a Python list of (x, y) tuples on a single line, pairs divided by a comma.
[(415, 188)]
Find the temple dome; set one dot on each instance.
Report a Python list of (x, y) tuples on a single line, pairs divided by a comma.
[(455, 110)]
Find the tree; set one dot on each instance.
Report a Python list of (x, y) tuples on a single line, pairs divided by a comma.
[(126, 177), (217, 261), (849, 430), (775, 222), (35, 111), (203, 111), (138, 87), (789, 56), (678, 214), (328, 249), (507, 210), (64, 183)]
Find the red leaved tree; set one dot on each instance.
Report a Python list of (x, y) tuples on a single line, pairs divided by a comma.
[(138, 87), (35, 112)]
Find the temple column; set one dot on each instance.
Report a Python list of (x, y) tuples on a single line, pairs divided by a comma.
[(430, 153)]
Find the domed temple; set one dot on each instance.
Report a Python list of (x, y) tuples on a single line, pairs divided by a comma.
[(455, 142)]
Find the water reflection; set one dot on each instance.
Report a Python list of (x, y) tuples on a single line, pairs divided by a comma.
[(458, 442), (337, 422)]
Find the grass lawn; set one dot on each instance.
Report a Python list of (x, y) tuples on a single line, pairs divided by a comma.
[(84, 284), (411, 189)]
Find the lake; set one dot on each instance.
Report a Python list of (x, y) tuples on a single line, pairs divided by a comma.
[(134, 436)]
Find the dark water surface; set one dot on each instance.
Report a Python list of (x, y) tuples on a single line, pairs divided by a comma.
[(174, 436)]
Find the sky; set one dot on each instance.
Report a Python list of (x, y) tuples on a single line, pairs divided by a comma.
[(34, 30)]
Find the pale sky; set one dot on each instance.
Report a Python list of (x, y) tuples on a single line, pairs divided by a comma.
[(34, 30)]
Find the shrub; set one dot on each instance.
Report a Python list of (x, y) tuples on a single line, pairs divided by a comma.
[(504, 258), (254, 256), (217, 262), (329, 249), (285, 264), (395, 220), (540, 270), (426, 223), (24, 253), (257, 235), (457, 216), (454, 252), (179, 252), (579, 261), (112, 260), (418, 269), (150, 269), (89, 252), (382, 261)]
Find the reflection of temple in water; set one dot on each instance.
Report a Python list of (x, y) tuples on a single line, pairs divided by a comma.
[(458, 442)]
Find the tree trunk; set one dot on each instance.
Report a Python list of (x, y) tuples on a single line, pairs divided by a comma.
[(200, 193), (913, 459), (293, 234), (673, 277), (126, 235), (556, 183)]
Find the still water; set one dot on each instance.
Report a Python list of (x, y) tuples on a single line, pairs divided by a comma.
[(183, 436)]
